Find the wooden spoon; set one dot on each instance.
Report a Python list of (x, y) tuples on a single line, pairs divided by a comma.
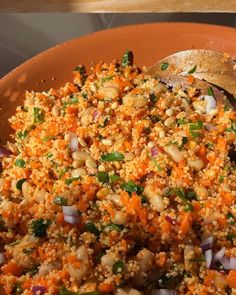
[(213, 67)]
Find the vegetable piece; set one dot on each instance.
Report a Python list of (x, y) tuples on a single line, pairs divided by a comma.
[(20, 163), (208, 256), (210, 92), (91, 227), (193, 70), (64, 291), (113, 226), (195, 126), (181, 194), (153, 97), (131, 187), (74, 142), (231, 279), (232, 128), (39, 227), (22, 134), (164, 66), (20, 183), (127, 59), (81, 69), (38, 115), (114, 178), (118, 267), (207, 243), (110, 157), (17, 289), (70, 210), (59, 200), (39, 290), (70, 180), (103, 177)]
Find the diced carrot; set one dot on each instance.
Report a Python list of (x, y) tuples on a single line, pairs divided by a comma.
[(161, 261), (127, 145), (35, 165), (231, 278), (221, 144), (12, 268), (222, 221), (190, 79), (186, 223), (105, 287), (227, 198)]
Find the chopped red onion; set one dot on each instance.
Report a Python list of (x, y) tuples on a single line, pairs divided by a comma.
[(208, 256), (232, 263), (220, 254), (2, 258), (150, 175), (39, 290), (225, 262), (96, 115), (163, 292), (210, 127), (70, 210), (71, 219), (170, 220), (74, 142), (154, 151), (4, 152), (207, 243), (211, 103)]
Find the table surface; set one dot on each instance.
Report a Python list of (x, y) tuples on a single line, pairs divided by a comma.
[(118, 6)]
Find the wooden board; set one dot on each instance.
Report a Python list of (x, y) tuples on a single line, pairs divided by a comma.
[(117, 6)]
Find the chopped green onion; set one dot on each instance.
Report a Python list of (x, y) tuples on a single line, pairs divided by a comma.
[(20, 183), (210, 92), (118, 267), (20, 163), (231, 237), (110, 157), (182, 121), (232, 128), (193, 70), (114, 178), (164, 66), (59, 200), (127, 59), (22, 134)]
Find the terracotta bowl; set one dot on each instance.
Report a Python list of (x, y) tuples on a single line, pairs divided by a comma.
[(149, 42)]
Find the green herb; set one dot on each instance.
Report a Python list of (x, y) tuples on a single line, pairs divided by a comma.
[(38, 115), (81, 69), (188, 207), (144, 199), (131, 187), (104, 123), (191, 195), (118, 267), (64, 291), (47, 138), (17, 289), (210, 92), (184, 141), (154, 118), (114, 178), (99, 256), (70, 102), (227, 108), (221, 178), (153, 97), (49, 155), (232, 128), (14, 243), (28, 250), (181, 194), (70, 180), (209, 145), (109, 78), (127, 59), (91, 227), (200, 259), (182, 121), (20, 163), (113, 226), (63, 171), (231, 237), (103, 177), (164, 66), (84, 95), (22, 134), (20, 183), (59, 200), (110, 157), (39, 227), (193, 70), (197, 126), (231, 217)]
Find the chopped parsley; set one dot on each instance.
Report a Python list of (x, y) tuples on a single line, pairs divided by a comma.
[(118, 267), (130, 187), (111, 157), (39, 227), (153, 97), (38, 115), (231, 237), (232, 128), (154, 118), (195, 126), (20, 183), (210, 92), (22, 134), (103, 177), (65, 291), (20, 163), (70, 180), (182, 121), (221, 178), (127, 59), (164, 66), (231, 218), (91, 227), (113, 226), (81, 69), (59, 200), (114, 178), (193, 70)]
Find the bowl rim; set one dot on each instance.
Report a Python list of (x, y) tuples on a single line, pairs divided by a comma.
[(105, 31)]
